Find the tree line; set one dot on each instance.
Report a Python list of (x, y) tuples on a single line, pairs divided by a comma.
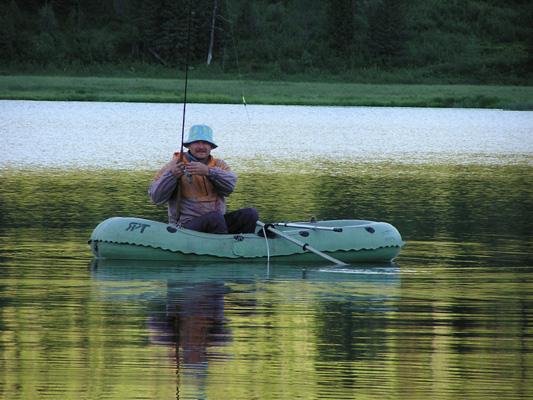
[(483, 40)]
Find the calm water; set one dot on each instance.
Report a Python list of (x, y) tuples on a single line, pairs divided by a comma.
[(136, 135), (450, 319)]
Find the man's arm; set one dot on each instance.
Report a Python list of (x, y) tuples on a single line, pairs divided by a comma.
[(165, 182), (224, 180)]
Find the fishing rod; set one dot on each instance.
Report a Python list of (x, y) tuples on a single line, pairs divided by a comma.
[(187, 54), (189, 18)]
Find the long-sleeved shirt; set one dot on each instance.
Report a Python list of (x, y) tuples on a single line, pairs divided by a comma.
[(206, 193)]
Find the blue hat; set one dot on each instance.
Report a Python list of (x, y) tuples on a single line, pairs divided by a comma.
[(200, 132)]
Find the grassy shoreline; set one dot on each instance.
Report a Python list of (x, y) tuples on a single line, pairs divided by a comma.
[(132, 89)]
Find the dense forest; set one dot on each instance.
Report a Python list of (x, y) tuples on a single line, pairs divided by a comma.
[(481, 41)]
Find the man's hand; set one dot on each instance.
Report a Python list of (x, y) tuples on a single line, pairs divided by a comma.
[(177, 169), (197, 168)]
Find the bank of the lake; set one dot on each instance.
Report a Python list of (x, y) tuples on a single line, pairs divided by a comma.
[(133, 89)]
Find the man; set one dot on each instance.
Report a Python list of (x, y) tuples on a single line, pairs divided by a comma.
[(195, 188)]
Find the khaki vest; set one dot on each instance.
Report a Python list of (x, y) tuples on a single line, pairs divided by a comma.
[(201, 188)]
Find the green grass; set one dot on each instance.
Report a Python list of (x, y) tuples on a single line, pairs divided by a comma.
[(131, 89)]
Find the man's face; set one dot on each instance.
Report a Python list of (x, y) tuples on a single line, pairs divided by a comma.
[(200, 149)]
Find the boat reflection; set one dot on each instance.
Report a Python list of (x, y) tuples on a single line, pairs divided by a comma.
[(193, 308), (194, 272)]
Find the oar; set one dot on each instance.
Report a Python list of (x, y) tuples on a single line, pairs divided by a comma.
[(304, 246), (305, 226)]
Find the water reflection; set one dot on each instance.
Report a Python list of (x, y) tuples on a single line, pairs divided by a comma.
[(197, 309), (452, 320), (468, 203)]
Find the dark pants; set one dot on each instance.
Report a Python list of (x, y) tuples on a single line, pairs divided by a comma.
[(240, 221)]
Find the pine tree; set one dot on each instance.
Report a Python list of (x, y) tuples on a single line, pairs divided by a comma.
[(387, 32), (340, 29)]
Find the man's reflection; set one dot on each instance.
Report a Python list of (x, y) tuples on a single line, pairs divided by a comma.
[(193, 320)]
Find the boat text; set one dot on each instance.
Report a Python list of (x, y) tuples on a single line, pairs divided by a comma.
[(133, 226)]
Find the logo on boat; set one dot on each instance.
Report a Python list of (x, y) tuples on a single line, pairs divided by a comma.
[(133, 226)]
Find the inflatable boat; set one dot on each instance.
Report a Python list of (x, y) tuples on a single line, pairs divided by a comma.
[(130, 238)]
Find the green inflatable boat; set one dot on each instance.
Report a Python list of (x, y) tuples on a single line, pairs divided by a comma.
[(350, 241)]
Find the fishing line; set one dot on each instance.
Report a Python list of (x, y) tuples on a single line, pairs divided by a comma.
[(236, 54), (239, 73)]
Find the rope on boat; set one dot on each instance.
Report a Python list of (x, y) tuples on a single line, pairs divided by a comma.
[(266, 242)]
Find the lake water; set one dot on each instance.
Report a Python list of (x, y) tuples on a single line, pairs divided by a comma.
[(451, 318)]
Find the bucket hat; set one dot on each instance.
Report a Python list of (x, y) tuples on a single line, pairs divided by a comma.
[(200, 132)]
